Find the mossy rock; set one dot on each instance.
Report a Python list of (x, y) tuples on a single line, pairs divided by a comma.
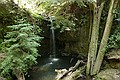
[(68, 36), (113, 64), (108, 74), (114, 55), (113, 58)]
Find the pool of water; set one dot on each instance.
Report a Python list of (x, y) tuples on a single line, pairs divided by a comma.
[(45, 69)]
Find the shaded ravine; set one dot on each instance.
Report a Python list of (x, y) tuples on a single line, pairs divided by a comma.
[(45, 69)]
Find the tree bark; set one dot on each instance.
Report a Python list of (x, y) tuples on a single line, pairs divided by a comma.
[(94, 38), (92, 46), (105, 37)]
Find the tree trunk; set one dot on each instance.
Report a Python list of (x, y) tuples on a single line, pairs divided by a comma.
[(94, 38), (105, 37), (93, 43)]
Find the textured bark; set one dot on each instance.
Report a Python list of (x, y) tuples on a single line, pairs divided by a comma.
[(105, 37), (93, 43), (94, 38), (91, 24)]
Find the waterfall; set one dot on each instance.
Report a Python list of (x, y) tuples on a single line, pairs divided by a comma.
[(53, 43), (52, 39)]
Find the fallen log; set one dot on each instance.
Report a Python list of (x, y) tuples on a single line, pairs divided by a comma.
[(63, 73)]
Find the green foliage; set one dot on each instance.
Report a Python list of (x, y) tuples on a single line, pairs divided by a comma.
[(99, 78), (21, 48), (114, 40), (62, 22), (58, 12)]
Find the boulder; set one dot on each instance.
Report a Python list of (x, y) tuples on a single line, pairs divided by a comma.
[(114, 55), (113, 58), (108, 74)]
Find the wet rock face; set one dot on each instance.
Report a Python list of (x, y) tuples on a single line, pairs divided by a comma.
[(109, 74), (75, 42)]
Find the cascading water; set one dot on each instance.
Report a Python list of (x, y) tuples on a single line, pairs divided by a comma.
[(53, 47), (52, 40)]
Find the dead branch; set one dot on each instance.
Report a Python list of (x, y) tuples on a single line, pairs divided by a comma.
[(72, 69)]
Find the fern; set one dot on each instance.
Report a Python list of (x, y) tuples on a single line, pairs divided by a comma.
[(21, 48)]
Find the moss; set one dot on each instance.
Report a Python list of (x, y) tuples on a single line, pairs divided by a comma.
[(99, 78)]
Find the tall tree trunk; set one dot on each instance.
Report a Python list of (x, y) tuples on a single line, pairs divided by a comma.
[(105, 37), (93, 43), (94, 38)]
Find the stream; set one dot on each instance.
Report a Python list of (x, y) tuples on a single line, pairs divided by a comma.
[(45, 69)]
